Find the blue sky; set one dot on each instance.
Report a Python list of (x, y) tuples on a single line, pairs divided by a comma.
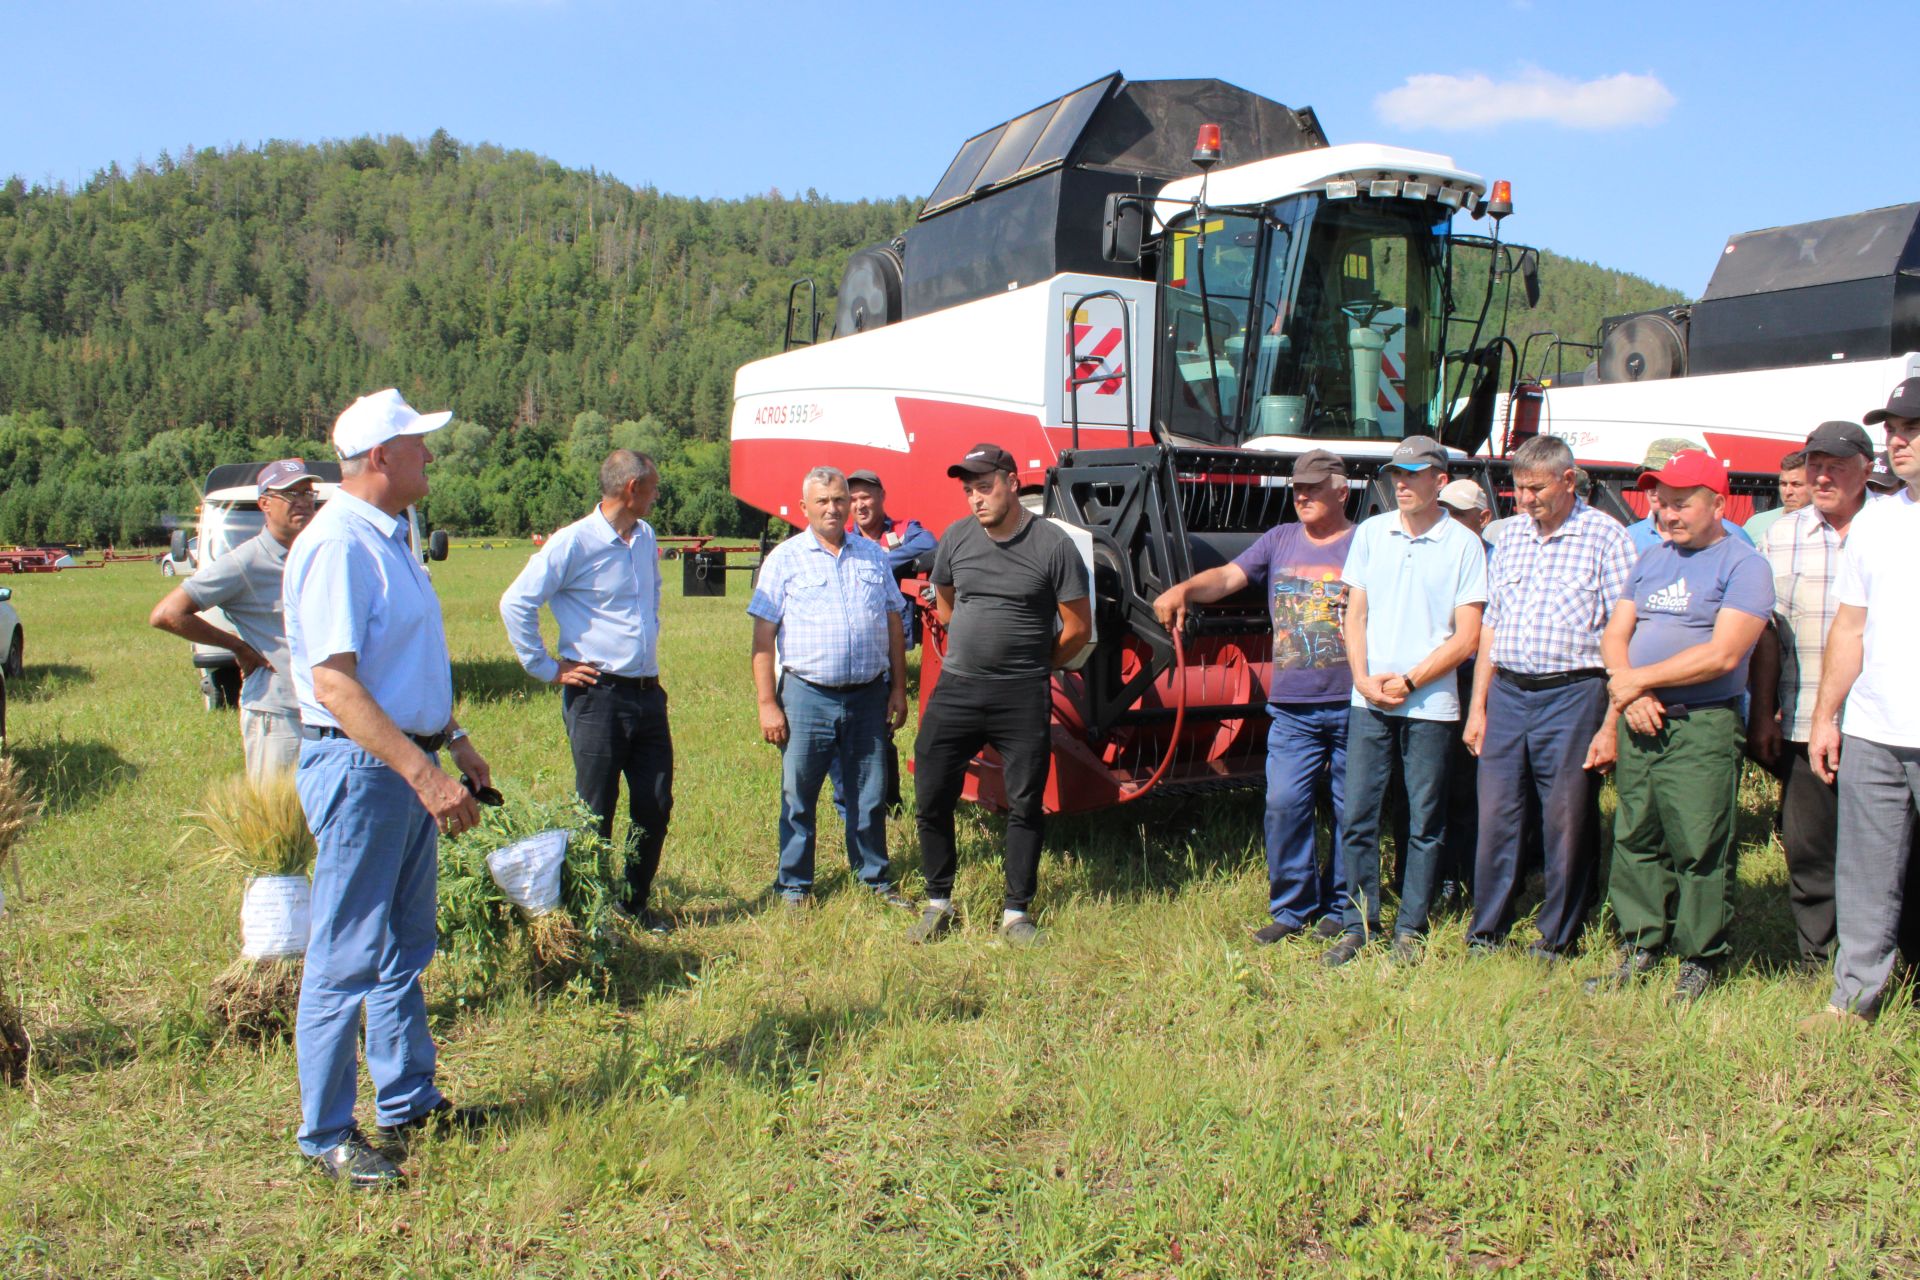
[(1638, 137)]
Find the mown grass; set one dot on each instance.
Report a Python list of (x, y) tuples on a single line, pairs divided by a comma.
[(1147, 1095)]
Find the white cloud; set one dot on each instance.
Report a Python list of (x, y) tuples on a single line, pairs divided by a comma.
[(1477, 101)]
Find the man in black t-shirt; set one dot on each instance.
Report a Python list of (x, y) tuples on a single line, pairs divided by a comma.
[(1001, 578)]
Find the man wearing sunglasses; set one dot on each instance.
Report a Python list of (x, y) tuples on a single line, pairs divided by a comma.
[(245, 585)]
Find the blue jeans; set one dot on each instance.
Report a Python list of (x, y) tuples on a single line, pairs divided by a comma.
[(848, 725), (373, 934), (1374, 740), (1306, 762)]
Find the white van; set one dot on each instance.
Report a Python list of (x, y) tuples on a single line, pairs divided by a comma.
[(229, 515)]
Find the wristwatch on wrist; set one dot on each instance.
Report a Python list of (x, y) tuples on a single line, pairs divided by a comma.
[(456, 736)]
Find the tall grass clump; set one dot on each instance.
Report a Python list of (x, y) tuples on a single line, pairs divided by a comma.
[(258, 829), (19, 809)]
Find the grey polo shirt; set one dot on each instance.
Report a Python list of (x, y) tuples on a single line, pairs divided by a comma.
[(244, 584)]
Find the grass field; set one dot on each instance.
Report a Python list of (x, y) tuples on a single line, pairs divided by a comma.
[(1146, 1095)]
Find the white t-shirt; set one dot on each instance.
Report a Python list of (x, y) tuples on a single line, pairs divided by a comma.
[(1876, 571)]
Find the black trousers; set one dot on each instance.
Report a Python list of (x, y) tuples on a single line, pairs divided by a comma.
[(962, 716), (1809, 829), (620, 731)]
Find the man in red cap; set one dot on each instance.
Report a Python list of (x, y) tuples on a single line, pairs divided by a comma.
[(1676, 653)]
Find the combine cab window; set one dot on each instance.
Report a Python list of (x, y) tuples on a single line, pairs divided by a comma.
[(1332, 328)]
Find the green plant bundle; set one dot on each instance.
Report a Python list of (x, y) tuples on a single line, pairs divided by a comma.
[(481, 929), (15, 1048), (19, 808), (254, 827)]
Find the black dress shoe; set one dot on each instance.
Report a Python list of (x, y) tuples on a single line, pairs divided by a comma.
[(1328, 927), (357, 1164), (1277, 931), (443, 1117), (1344, 951)]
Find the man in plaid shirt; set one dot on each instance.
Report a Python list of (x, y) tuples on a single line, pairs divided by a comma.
[(1539, 718), (1804, 551)]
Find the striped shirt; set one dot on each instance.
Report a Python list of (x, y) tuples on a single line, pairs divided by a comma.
[(1551, 596), (831, 610), (1804, 552)]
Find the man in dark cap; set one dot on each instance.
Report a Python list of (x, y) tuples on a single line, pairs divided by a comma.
[(1296, 565), (1803, 550), (1004, 579), (244, 585)]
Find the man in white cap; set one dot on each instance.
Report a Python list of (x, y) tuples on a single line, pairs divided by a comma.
[(370, 666), (244, 584)]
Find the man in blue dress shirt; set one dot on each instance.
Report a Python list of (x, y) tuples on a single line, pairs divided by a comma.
[(375, 687), (600, 577), (830, 673)]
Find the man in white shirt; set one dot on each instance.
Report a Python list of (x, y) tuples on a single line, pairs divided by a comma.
[(1875, 750)]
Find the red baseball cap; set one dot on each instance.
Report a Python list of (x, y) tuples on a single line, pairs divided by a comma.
[(1687, 469)]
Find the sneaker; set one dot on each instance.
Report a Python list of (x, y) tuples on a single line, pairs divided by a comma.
[(1692, 982), (1406, 949), (1482, 948), (1328, 927), (1021, 932), (934, 922), (1634, 965), (1830, 1020), (793, 903), (357, 1164), (1277, 931), (647, 920), (1343, 951), (894, 898)]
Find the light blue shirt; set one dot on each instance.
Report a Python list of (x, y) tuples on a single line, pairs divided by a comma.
[(831, 610), (1413, 585), (604, 592), (1646, 537), (353, 585)]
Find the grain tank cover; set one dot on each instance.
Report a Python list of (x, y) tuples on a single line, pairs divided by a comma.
[(1022, 201), (1837, 289)]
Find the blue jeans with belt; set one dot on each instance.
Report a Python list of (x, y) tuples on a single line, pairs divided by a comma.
[(823, 725), (1306, 764), (373, 934)]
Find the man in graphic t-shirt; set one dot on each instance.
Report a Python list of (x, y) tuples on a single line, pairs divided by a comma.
[(1004, 580), (1676, 651), (1297, 565)]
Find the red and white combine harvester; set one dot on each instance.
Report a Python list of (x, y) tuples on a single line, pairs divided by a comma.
[(1156, 295)]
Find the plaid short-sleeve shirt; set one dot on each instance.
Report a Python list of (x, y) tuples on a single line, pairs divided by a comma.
[(1804, 553), (1551, 597)]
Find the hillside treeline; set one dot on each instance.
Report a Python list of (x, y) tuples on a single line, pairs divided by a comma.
[(227, 304)]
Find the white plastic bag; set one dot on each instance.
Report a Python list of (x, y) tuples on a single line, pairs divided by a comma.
[(276, 915), (528, 871)]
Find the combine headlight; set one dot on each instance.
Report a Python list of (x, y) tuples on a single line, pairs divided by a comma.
[(1452, 197), (1383, 187), (1416, 190), (1343, 190)]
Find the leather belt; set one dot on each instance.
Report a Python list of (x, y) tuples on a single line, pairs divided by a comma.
[(645, 684), (1550, 679), (427, 742), (838, 688)]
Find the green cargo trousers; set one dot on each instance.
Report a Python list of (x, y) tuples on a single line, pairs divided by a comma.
[(1672, 878)]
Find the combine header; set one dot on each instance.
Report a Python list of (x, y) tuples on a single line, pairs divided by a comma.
[(1155, 295)]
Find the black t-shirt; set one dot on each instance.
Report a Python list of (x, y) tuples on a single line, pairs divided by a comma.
[(1007, 596)]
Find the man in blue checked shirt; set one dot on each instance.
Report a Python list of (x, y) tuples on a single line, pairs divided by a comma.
[(600, 577), (1539, 718), (830, 672)]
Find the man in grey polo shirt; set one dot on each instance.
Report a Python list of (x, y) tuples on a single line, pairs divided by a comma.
[(245, 585)]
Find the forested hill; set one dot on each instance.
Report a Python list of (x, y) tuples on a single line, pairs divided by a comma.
[(228, 303)]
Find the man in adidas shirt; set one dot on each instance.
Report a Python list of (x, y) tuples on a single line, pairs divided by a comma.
[(1676, 652), (1864, 724)]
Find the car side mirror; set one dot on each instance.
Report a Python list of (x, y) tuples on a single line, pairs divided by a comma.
[(1123, 228), (437, 545), (177, 547)]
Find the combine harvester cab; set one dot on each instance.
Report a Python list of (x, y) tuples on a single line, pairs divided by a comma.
[(1155, 295), (1798, 325)]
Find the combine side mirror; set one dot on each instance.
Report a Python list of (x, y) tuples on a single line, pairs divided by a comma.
[(1125, 227), (437, 545), (1530, 276), (6, 594), (177, 547)]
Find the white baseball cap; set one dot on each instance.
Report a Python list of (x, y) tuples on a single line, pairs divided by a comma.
[(1464, 495), (379, 417)]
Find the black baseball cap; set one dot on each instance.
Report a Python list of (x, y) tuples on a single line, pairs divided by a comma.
[(1316, 465), (1840, 439), (1417, 453), (1903, 403), (864, 476), (983, 459), (1882, 479)]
